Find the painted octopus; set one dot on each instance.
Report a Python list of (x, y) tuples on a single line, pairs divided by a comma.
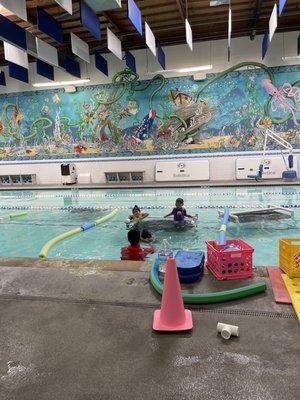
[(281, 96)]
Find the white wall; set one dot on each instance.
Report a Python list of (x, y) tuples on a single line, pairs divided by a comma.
[(222, 168), (215, 53)]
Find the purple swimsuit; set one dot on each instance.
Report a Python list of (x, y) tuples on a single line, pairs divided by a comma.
[(179, 213)]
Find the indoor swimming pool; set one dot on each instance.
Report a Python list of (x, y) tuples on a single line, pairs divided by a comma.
[(52, 212)]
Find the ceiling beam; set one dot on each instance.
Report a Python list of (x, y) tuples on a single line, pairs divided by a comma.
[(112, 21), (180, 8)]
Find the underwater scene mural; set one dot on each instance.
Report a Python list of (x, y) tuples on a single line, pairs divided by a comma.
[(225, 112)]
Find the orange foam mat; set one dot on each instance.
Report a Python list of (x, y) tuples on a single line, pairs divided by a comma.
[(280, 291)]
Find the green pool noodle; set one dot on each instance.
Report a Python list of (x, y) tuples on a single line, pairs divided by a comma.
[(212, 297), (65, 235), (18, 214)]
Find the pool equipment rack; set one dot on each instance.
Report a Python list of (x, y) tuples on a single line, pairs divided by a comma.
[(124, 177), (208, 298), (270, 213), (46, 248), (18, 180)]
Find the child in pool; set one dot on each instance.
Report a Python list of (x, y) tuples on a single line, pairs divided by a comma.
[(137, 216), (179, 211), (135, 252)]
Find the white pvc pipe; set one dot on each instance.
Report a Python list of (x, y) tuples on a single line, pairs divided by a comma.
[(227, 330)]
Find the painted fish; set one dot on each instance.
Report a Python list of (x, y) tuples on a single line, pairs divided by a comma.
[(17, 115), (56, 99), (142, 131), (130, 110), (280, 97)]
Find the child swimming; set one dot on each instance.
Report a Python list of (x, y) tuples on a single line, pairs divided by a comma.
[(179, 211), (135, 252), (136, 217)]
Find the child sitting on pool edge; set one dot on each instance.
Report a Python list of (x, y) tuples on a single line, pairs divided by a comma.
[(135, 252), (179, 211), (136, 217)]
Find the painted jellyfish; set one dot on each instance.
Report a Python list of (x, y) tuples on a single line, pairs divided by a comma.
[(281, 97)]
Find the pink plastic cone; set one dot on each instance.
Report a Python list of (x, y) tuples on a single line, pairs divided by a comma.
[(172, 316)]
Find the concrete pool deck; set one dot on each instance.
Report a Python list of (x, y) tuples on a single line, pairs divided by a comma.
[(73, 330)]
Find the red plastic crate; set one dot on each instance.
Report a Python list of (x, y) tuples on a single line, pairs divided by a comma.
[(228, 262)]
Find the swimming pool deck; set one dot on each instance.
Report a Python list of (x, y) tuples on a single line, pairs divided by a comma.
[(73, 330), (246, 182)]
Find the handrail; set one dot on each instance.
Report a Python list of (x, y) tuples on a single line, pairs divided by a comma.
[(45, 249)]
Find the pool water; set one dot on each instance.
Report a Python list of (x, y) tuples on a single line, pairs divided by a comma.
[(51, 212)]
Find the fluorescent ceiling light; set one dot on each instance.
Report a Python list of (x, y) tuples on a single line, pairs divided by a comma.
[(61, 83), (196, 69), (291, 58)]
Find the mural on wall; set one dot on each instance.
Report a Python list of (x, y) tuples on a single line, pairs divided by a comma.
[(225, 112)]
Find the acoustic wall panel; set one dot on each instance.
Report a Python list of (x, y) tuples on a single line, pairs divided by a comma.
[(31, 44), (229, 33), (17, 7), (182, 170), (189, 34), (130, 61), (12, 33), (49, 25), (66, 4), (80, 48), (273, 22), (72, 67), (61, 60), (101, 64), (45, 70), (17, 72), (114, 44), (89, 19), (15, 55), (135, 16), (161, 57), (265, 45), (281, 6), (46, 52), (2, 78), (104, 5), (150, 39)]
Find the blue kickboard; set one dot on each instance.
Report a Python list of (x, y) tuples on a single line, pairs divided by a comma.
[(190, 278), (189, 262)]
